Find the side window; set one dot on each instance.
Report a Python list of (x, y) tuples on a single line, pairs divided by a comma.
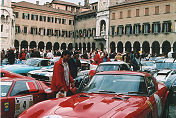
[(150, 85), (45, 63), (23, 87), (124, 67)]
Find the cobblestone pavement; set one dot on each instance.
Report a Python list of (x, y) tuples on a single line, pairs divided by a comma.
[(172, 111)]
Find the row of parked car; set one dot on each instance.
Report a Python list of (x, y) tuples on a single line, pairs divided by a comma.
[(110, 90)]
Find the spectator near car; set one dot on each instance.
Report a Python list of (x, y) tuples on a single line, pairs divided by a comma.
[(11, 56), (96, 59), (105, 58), (74, 63), (35, 53), (22, 55), (49, 55)]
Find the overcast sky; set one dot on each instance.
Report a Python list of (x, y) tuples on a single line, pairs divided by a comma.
[(44, 1)]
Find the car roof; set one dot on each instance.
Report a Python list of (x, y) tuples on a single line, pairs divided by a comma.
[(165, 71), (39, 58), (124, 73), (114, 62)]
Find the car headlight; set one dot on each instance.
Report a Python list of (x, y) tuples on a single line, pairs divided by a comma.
[(53, 116)]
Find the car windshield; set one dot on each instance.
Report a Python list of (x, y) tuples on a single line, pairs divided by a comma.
[(32, 62), (116, 84), (107, 67), (5, 87), (145, 63), (166, 66)]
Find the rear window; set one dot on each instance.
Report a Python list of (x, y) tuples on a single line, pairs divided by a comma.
[(5, 87), (21, 87)]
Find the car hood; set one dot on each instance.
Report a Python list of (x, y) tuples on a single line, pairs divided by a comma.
[(20, 68), (97, 105)]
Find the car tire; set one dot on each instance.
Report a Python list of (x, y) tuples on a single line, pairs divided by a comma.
[(166, 110)]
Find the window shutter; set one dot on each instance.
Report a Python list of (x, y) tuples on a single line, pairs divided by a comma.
[(31, 30), (37, 18), (169, 25), (23, 15), (148, 28), (159, 28), (139, 28), (28, 16), (130, 29), (125, 29), (152, 28), (163, 27), (143, 28), (133, 29)]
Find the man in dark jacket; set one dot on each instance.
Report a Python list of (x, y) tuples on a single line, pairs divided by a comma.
[(11, 56), (74, 63)]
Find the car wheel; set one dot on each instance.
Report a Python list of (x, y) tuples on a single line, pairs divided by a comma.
[(166, 110)]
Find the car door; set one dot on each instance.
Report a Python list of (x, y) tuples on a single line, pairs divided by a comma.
[(154, 102), (24, 94)]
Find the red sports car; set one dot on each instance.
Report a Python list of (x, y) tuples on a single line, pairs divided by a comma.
[(19, 93), (113, 94)]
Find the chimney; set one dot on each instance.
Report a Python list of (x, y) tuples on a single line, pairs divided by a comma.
[(79, 3), (47, 4), (37, 2)]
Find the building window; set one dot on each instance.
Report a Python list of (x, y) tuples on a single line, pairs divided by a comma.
[(41, 31), (136, 29), (34, 30), (113, 16), (167, 8), (58, 20), (17, 29), (56, 33), (146, 28), (129, 14), (167, 26), (113, 30), (70, 22), (63, 21), (1, 28), (2, 3), (146, 11), (120, 30), (34, 17), (137, 12), (50, 19), (16, 14), (43, 18), (64, 33), (157, 10), (156, 27), (25, 30), (26, 16), (128, 29), (93, 31), (49, 32), (121, 15)]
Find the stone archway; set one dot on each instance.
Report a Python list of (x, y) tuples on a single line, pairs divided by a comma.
[(93, 46), (16, 44), (76, 46), (128, 46), (24, 44), (120, 47), (88, 46), (84, 47), (70, 46), (56, 46), (112, 47), (146, 47), (174, 46), (136, 46), (166, 47), (155, 48), (41, 45), (49, 46), (63, 46), (33, 44)]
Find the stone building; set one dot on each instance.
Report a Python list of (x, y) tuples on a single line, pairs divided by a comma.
[(7, 24), (112, 25)]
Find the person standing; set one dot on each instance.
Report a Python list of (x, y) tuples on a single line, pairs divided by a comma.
[(96, 58), (61, 79), (49, 55), (11, 56), (105, 58), (22, 55), (74, 63)]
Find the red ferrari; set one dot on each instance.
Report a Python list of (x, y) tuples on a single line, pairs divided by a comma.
[(113, 94), (19, 93)]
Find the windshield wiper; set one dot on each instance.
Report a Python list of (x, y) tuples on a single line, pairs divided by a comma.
[(136, 92), (103, 91)]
